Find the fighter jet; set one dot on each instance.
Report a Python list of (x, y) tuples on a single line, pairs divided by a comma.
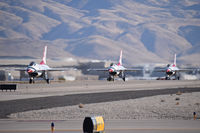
[(35, 70), (173, 70), (116, 70)]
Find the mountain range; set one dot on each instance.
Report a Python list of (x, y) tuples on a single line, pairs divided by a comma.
[(148, 31)]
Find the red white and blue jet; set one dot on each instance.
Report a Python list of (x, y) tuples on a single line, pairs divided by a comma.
[(116, 70), (35, 70), (173, 70)]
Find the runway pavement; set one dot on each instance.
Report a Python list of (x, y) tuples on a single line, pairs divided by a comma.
[(21, 105), (41, 96), (79, 87), (112, 126)]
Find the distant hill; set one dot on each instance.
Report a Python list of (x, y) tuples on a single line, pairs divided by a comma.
[(148, 31)]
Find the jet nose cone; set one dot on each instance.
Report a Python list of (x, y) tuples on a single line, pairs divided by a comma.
[(111, 70), (168, 70), (29, 70)]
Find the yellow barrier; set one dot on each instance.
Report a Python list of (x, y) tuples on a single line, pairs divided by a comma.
[(93, 125)]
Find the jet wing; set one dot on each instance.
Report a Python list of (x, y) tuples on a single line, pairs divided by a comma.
[(59, 69), (106, 69), (48, 69), (14, 69), (103, 69), (134, 70), (20, 69), (160, 70), (179, 70), (185, 70)]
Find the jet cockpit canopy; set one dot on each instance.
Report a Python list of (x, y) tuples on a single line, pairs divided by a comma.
[(32, 63), (111, 64)]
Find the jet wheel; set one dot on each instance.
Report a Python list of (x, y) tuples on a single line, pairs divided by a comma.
[(110, 79), (48, 81), (167, 78), (30, 81)]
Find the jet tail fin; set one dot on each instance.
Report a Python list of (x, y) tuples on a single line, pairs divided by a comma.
[(120, 59), (175, 59), (44, 56)]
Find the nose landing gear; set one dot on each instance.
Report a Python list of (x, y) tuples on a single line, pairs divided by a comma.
[(110, 78), (31, 80)]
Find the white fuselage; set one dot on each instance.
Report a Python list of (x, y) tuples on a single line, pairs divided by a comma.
[(36, 70), (116, 70), (171, 70)]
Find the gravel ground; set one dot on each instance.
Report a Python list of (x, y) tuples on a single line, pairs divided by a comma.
[(22, 105), (174, 106)]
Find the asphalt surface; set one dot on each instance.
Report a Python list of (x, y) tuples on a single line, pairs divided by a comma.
[(112, 126), (42, 96), (21, 105), (25, 91)]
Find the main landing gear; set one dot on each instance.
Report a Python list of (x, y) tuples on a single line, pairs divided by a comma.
[(110, 78), (48, 81), (123, 76), (31, 80), (124, 79), (46, 78), (167, 78), (176, 78)]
